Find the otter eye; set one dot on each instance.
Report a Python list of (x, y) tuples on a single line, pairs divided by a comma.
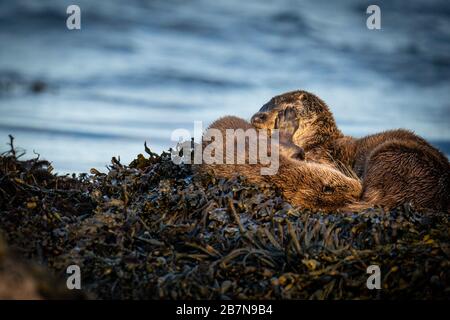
[(328, 189)]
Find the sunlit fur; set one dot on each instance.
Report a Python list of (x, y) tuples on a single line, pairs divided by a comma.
[(305, 184), (396, 166)]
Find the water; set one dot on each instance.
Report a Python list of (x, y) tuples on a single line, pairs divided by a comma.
[(140, 69)]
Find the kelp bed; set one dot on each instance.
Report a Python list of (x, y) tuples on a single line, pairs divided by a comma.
[(153, 229)]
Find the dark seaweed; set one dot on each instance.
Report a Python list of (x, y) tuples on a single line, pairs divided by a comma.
[(153, 229)]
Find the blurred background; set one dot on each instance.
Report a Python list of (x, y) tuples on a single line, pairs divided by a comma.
[(139, 69)]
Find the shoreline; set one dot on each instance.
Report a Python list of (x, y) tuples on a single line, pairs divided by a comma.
[(152, 230)]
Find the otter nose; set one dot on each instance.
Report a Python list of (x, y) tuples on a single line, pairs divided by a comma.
[(259, 118)]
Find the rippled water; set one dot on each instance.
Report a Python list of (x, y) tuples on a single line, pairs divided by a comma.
[(139, 69)]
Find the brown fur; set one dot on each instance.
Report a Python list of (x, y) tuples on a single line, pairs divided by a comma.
[(396, 166), (306, 184), (26, 280)]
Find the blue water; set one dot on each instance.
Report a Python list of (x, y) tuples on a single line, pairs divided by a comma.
[(137, 70)]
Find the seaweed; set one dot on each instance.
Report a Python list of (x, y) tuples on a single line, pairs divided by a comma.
[(156, 230)]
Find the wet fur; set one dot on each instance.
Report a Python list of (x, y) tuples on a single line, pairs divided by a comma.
[(396, 166), (306, 184)]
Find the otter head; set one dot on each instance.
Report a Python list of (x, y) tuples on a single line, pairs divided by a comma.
[(317, 186), (299, 115)]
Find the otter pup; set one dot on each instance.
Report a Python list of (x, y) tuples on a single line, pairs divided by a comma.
[(306, 184), (396, 166)]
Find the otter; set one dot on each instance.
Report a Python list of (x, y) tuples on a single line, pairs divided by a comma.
[(305, 184), (396, 166), (307, 122)]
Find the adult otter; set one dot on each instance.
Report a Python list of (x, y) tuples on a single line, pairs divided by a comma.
[(396, 166), (306, 184)]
